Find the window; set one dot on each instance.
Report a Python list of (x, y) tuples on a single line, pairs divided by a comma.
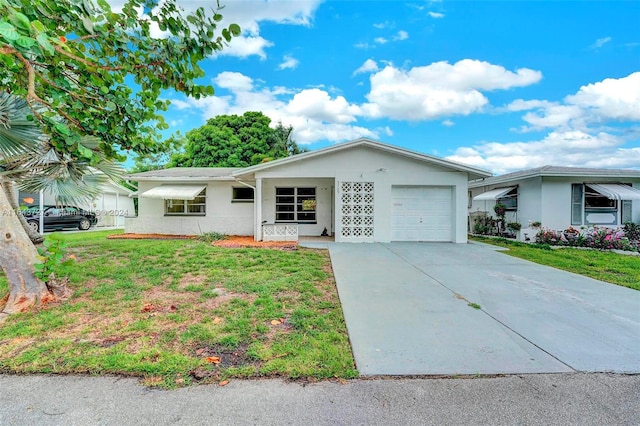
[(242, 195), (576, 203), (296, 205), (195, 207), (590, 207), (595, 200), (510, 200)]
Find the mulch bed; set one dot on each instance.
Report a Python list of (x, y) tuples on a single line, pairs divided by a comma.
[(232, 241), (150, 237), (235, 241)]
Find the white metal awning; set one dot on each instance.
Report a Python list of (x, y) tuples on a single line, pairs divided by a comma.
[(494, 194), (615, 191), (174, 192)]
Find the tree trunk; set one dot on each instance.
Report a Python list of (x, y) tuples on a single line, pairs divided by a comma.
[(17, 258), (34, 236)]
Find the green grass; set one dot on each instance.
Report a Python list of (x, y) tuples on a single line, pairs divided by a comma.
[(158, 309), (623, 270)]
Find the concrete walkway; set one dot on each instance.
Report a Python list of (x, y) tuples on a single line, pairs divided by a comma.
[(559, 399), (407, 311)]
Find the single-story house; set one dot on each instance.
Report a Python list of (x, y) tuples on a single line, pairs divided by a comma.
[(358, 191), (111, 206), (560, 197)]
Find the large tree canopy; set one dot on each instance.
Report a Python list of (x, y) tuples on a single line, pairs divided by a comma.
[(78, 83), (88, 71), (236, 141)]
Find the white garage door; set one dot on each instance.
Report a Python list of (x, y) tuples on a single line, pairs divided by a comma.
[(422, 213)]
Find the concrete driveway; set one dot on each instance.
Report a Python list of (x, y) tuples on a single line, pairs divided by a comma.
[(407, 311)]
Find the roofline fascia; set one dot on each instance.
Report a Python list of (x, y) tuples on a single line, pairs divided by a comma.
[(179, 179), (498, 180), (365, 142)]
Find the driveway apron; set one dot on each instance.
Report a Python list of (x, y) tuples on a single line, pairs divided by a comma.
[(407, 309)]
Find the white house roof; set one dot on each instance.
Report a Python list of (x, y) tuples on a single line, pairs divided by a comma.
[(185, 174), (557, 171), (494, 194), (473, 172)]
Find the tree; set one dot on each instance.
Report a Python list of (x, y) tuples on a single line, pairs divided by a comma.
[(160, 157), (91, 79), (236, 141)]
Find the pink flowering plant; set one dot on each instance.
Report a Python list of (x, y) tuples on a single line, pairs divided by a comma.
[(600, 238)]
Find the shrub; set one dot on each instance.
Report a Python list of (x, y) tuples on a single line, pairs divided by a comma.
[(483, 225), (596, 238), (631, 231), (548, 236), (514, 226), (209, 237)]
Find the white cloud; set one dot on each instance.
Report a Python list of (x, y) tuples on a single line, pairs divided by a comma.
[(570, 148), (440, 89), (368, 66), (245, 46), (448, 123), (436, 15), (600, 42), (616, 99), (233, 81), (402, 35), (610, 99), (554, 115), (180, 104), (288, 62), (249, 14), (583, 130), (383, 25), (363, 45), (317, 104), (313, 113), (380, 40)]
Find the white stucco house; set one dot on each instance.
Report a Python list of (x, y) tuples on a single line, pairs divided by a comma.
[(111, 206), (560, 197), (358, 191)]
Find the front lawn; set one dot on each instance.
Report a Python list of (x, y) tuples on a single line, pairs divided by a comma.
[(174, 312), (606, 266)]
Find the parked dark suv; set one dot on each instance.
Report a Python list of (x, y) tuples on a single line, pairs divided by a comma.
[(56, 217)]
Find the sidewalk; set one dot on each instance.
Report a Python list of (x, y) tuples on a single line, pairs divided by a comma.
[(537, 399)]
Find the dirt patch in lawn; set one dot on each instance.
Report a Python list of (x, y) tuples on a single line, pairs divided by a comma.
[(150, 237), (236, 241)]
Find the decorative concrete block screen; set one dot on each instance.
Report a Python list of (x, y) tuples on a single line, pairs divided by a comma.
[(280, 232), (356, 214)]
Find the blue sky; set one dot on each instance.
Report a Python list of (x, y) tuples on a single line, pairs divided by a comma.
[(501, 85)]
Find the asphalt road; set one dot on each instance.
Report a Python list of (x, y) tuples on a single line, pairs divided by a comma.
[(535, 399)]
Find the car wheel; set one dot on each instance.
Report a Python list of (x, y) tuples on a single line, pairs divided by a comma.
[(84, 224), (34, 225)]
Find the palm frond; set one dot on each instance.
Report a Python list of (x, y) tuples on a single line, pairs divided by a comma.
[(18, 135), (66, 191)]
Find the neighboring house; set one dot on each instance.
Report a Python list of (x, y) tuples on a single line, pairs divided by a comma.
[(359, 191), (111, 206), (560, 197)]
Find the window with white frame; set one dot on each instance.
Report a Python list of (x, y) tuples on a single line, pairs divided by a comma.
[(589, 207), (195, 207), (510, 200), (296, 205)]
